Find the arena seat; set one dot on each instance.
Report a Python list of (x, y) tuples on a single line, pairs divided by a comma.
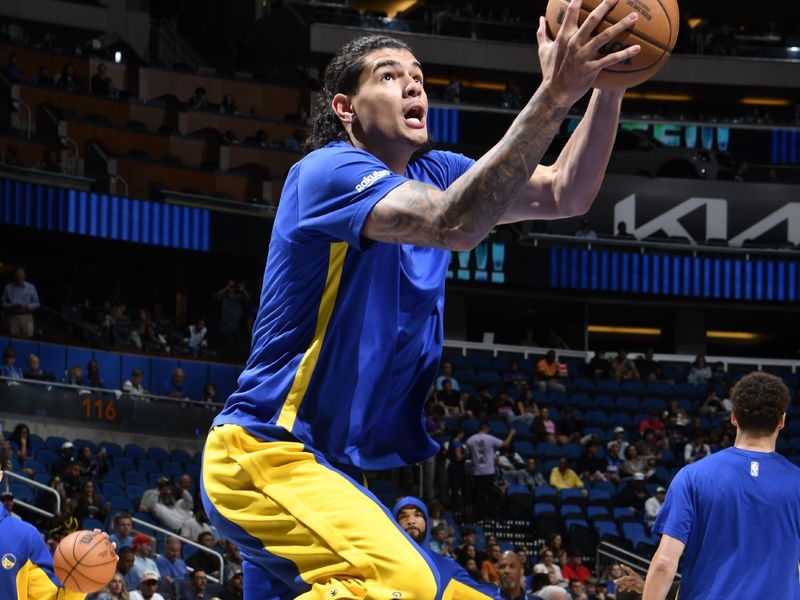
[(135, 451), (54, 443), (157, 454)]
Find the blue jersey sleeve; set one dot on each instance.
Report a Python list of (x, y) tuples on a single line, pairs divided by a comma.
[(678, 511), (337, 187)]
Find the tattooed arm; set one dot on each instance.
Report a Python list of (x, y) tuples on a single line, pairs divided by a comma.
[(461, 216), (567, 187)]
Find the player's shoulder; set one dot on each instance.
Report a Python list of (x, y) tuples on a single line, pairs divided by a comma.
[(333, 153), (440, 166)]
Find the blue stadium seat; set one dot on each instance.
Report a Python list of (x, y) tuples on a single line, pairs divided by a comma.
[(154, 476), (525, 449), (135, 478), (456, 359), (608, 385), (502, 363), (545, 493), (498, 428), (597, 513), (600, 433), (624, 513), (22, 492), (629, 403), (571, 451), (583, 384), (620, 418), (111, 488), (193, 471), (489, 377), (469, 426), (661, 389), (572, 522), (572, 496), (112, 449), (654, 404), (548, 450), (48, 457), (81, 443), (54, 443), (480, 362), (606, 528), (521, 428), (689, 391), (543, 507), (90, 523), (582, 399), (123, 463), (37, 443), (135, 492), (517, 488), (571, 510), (465, 375), (180, 456), (597, 418), (158, 454), (172, 469), (113, 476), (604, 402), (636, 388), (135, 451), (43, 478), (599, 496), (147, 465), (37, 466)]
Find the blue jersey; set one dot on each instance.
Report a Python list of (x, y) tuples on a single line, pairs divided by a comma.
[(738, 512), (349, 332)]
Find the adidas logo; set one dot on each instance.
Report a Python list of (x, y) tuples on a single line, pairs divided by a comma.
[(370, 179)]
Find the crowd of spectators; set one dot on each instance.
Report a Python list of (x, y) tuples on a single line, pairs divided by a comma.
[(77, 475)]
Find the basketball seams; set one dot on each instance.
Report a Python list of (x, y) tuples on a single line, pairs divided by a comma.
[(642, 37), (71, 572)]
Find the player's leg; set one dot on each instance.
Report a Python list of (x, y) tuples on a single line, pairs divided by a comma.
[(308, 524)]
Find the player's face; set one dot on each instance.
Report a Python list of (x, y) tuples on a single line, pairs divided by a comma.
[(390, 106), (412, 520)]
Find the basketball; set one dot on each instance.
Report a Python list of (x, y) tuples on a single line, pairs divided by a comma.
[(85, 561), (656, 31)]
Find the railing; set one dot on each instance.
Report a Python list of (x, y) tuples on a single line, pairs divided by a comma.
[(36, 484), (184, 540), (615, 554)]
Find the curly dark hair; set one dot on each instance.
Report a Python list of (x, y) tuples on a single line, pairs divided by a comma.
[(759, 402), (341, 77)]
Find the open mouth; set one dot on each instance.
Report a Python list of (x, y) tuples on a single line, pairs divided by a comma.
[(415, 116)]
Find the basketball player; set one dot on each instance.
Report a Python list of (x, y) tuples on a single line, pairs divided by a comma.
[(734, 515), (349, 331)]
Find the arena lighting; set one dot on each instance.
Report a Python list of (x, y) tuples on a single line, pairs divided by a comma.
[(478, 85), (623, 330), (731, 335), (658, 97), (752, 101)]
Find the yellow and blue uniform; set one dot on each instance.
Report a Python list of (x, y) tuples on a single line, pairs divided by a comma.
[(345, 347), (26, 567), (456, 583)]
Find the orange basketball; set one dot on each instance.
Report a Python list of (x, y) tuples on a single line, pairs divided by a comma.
[(656, 31), (85, 561)]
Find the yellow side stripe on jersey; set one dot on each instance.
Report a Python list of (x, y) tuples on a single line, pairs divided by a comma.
[(302, 378)]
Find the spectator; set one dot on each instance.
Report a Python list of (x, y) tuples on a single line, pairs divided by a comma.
[(89, 505), (121, 534), (489, 572), (12, 68), (101, 82), (619, 440), (511, 575), (232, 298), (233, 559), (66, 459), (71, 480), (125, 568), (549, 567), (514, 376), (174, 387), (93, 377), (577, 590), (648, 367), (139, 327), (20, 300), (700, 372), (196, 524), (447, 374), (209, 393), (456, 464), (654, 421), (143, 562), (591, 466), (147, 587), (562, 477), (531, 476), (553, 592), (115, 590), (21, 440), (233, 589), (170, 564), (511, 464), (197, 338), (585, 231), (34, 372), (439, 543), (713, 404), (634, 464), (9, 368), (161, 503), (116, 327), (207, 562), (696, 449), (43, 77), (624, 367), (228, 106), (653, 504), (67, 80), (481, 447), (92, 467), (548, 373), (74, 376), (449, 399), (599, 367), (633, 495), (555, 544), (575, 569), (152, 341), (570, 425), (133, 386), (199, 101), (544, 427), (622, 231)]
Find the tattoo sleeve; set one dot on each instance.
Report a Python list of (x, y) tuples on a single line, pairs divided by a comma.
[(461, 216)]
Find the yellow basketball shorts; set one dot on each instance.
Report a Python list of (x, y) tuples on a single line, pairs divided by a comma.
[(307, 530)]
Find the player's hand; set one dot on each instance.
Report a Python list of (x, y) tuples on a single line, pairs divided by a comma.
[(570, 62), (630, 582), (104, 535)]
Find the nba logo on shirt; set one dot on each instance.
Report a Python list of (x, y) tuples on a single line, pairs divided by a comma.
[(753, 468)]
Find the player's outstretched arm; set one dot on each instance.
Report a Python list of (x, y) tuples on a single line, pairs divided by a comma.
[(662, 568), (461, 216)]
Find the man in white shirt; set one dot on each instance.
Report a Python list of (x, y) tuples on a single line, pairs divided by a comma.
[(147, 588), (653, 504)]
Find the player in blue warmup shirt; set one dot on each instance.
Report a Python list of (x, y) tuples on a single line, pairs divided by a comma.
[(735, 515), (349, 331)]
